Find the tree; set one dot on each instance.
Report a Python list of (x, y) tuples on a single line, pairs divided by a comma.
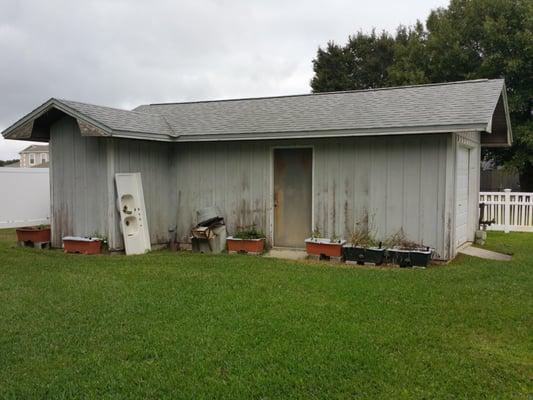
[(469, 39), (3, 163), (361, 64)]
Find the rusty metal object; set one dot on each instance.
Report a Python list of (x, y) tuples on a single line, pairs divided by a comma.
[(293, 168), (209, 235)]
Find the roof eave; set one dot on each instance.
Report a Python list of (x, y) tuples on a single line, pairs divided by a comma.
[(21, 126), (509, 133)]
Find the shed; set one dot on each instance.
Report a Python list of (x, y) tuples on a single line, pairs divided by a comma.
[(394, 158)]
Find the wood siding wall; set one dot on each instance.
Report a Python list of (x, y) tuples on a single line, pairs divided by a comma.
[(78, 182), (398, 182), (154, 161), (83, 187), (472, 141)]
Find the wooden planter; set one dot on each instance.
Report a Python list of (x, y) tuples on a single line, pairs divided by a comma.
[(324, 247), (34, 235), (249, 246), (76, 244)]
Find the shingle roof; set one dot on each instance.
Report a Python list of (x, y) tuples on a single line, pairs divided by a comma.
[(35, 148), (458, 103), (122, 120), (446, 107)]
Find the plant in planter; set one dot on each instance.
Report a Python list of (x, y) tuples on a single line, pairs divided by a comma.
[(247, 240), (324, 247), (363, 247), (33, 234), (360, 241), (407, 253)]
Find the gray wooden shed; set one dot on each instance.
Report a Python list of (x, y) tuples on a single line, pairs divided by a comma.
[(396, 158)]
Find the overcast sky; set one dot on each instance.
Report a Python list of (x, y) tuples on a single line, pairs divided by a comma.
[(125, 53)]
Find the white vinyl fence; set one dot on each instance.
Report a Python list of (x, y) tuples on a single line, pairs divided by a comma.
[(511, 211), (24, 197)]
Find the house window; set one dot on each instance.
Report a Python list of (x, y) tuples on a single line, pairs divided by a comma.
[(43, 157), (32, 158)]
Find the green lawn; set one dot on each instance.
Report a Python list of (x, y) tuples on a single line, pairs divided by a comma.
[(180, 325)]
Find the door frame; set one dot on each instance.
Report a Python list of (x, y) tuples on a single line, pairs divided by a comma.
[(468, 147), (271, 191)]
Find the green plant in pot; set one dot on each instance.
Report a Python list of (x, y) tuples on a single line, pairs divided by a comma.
[(363, 246), (247, 239), (360, 240), (320, 246), (405, 252)]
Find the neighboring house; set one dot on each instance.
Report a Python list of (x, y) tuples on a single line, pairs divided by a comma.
[(400, 158), (34, 156)]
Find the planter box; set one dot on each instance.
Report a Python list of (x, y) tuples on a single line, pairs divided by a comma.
[(324, 247), (375, 255), (354, 254), (399, 257), (410, 258), (421, 258), (250, 246), (33, 234), (76, 244), (361, 255)]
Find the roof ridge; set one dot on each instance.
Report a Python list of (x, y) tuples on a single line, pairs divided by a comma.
[(111, 108), (323, 93)]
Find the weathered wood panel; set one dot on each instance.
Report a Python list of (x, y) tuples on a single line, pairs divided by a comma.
[(394, 182), (234, 176), (78, 181), (472, 141), (154, 161)]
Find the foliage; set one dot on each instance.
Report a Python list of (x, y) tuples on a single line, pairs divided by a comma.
[(362, 235), (163, 324), (361, 64), (399, 240), (362, 238), (316, 233), (3, 163), (249, 232), (469, 39)]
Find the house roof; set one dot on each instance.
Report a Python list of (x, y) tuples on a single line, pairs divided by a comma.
[(446, 107), (35, 148)]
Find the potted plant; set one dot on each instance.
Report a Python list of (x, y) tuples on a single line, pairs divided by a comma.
[(34, 234), (407, 253), (82, 245), (324, 247), (247, 240), (355, 250), (363, 247)]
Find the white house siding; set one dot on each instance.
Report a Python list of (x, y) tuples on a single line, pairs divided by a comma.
[(154, 161), (399, 182), (82, 176), (78, 178), (470, 141)]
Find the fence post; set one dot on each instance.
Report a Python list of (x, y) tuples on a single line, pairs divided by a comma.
[(507, 211)]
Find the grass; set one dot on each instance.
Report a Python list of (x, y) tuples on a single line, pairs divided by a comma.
[(167, 325)]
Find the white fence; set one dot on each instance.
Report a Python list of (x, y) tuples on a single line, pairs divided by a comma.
[(24, 197), (511, 211)]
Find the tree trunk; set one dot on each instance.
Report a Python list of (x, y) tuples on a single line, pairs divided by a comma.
[(526, 179)]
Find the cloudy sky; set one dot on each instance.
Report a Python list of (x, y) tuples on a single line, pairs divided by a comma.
[(122, 53)]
